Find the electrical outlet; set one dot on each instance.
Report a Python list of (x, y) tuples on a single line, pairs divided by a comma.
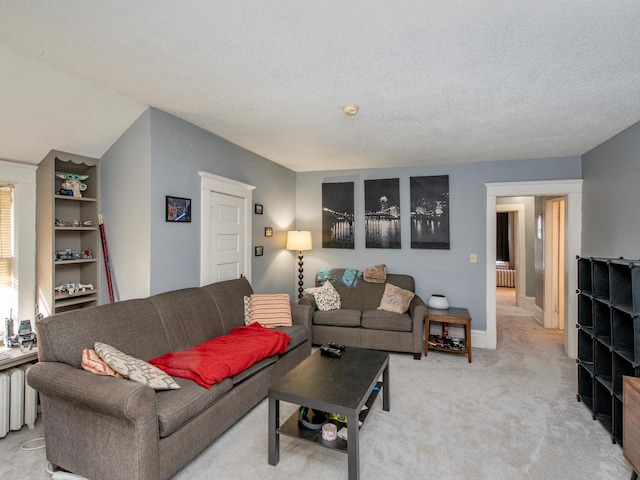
[(473, 258)]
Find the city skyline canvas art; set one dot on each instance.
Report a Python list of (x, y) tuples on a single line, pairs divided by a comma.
[(338, 215), (430, 212), (382, 213)]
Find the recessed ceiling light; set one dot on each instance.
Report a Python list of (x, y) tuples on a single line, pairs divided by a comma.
[(350, 109)]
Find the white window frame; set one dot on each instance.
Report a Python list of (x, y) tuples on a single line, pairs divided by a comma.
[(7, 297), (23, 178)]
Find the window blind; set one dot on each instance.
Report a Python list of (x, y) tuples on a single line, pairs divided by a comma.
[(6, 228)]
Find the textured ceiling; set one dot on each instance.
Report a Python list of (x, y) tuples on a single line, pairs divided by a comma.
[(437, 81)]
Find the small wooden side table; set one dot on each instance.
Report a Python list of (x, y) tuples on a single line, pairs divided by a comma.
[(458, 316)]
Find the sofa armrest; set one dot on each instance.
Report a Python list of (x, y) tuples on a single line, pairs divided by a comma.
[(104, 394), (302, 315), (310, 300), (418, 311), (89, 420)]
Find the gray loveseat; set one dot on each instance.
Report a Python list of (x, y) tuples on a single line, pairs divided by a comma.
[(358, 323), (106, 428)]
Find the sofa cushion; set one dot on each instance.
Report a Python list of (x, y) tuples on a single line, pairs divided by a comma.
[(135, 369), (298, 334), (339, 318), (395, 299), (231, 312), (383, 320), (326, 297), (177, 407), (189, 316), (255, 368), (61, 338)]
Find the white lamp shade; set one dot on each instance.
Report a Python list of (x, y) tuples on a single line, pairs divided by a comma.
[(299, 240)]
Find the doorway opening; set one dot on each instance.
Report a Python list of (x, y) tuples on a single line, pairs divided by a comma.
[(572, 192), (514, 271)]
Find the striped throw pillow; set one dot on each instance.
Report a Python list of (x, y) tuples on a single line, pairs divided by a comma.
[(91, 362), (271, 310)]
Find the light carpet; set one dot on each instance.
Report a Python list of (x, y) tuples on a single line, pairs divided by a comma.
[(511, 414)]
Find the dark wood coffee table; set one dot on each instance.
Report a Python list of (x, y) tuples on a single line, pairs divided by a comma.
[(334, 385)]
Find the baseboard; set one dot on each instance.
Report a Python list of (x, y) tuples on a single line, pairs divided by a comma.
[(538, 314), (527, 302), (478, 339)]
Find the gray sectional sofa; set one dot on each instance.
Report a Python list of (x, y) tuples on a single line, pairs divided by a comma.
[(106, 428), (359, 323)]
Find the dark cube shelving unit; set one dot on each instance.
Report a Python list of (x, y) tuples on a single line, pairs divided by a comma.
[(608, 336)]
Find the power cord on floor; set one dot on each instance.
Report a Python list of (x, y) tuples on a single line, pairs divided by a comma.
[(26, 446)]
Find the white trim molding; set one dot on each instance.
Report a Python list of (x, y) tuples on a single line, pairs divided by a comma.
[(23, 177), (215, 183), (572, 190)]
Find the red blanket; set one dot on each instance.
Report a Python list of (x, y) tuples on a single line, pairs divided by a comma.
[(224, 356)]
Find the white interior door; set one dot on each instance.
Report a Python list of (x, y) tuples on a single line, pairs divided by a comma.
[(554, 274), (558, 264), (227, 237)]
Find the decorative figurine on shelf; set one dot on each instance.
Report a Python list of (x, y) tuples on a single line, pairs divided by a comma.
[(72, 185), (73, 288), (81, 223), (66, 254), (73, 223)]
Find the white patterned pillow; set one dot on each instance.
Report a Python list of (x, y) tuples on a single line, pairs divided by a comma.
[(326, 296), (247, 310), (396, 299), (271, 309), (134, 368)]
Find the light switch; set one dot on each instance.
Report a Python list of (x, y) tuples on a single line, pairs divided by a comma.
[(473, 258)]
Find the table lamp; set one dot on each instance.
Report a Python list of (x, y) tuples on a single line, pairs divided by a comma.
[(299, 240)]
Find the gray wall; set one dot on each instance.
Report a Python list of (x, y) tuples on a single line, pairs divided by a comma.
[(125, 200), (435, 271), (164, 154), (611, 197)]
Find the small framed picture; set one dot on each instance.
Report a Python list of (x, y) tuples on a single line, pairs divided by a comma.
[(258, 209), (259, 251), (268, 231), (178, 209)]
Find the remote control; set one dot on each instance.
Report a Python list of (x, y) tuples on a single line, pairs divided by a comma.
[(330, 352), (339, 346)]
